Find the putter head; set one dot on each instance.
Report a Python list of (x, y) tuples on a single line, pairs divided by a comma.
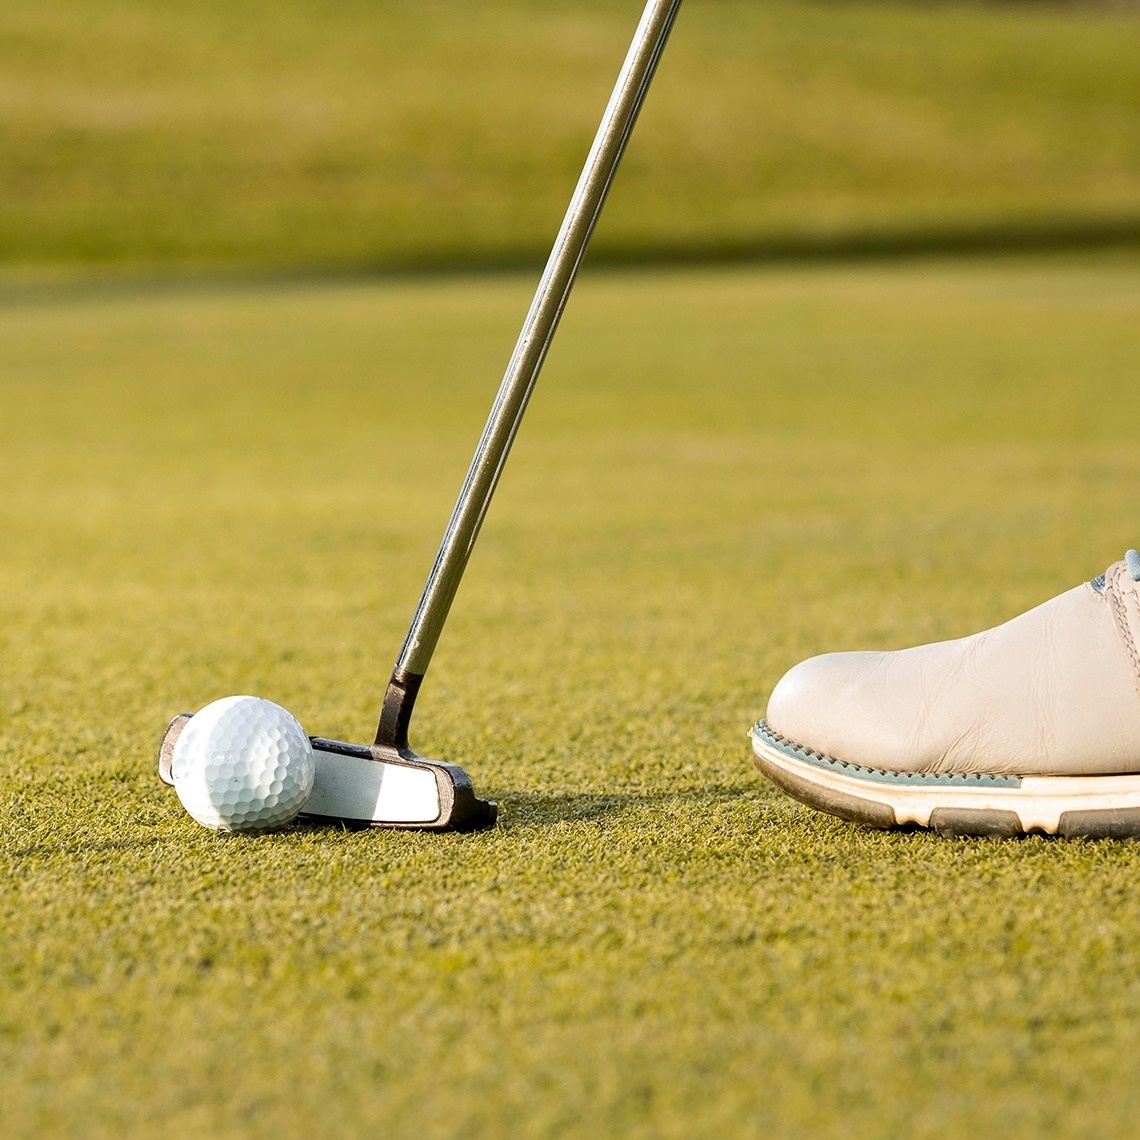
[(359, 785)]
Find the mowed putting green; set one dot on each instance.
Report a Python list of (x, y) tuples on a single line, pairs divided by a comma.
[(239, 488)]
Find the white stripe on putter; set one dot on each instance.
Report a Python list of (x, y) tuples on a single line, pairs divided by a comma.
[(351, 787)]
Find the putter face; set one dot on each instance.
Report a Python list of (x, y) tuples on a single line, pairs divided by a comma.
[(375, 786)]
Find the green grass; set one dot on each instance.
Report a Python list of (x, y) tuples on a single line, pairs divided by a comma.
[(240, 488), (429, 132)]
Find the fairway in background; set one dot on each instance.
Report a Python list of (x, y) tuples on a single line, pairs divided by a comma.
[(302, 134), (240, 488)]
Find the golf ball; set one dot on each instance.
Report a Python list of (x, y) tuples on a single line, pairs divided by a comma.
[(243, 764)]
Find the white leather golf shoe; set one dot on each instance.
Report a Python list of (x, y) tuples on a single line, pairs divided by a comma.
[(1031, 726)]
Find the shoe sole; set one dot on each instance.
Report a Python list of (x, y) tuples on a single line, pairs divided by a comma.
[(1093, 807)]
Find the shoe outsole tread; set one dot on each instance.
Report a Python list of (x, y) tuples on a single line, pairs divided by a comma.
[(1001, 806)]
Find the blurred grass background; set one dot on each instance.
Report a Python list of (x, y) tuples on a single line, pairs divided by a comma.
[(228, 449), (300, 133)]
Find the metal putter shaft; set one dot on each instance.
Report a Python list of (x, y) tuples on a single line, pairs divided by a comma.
[(522, 371), (387, 784)]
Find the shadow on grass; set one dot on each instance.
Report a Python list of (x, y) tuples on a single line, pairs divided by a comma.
[(950, 239), (110, 281), (537, 809)]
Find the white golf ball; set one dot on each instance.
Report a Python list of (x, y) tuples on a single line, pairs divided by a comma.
[(243, 764)]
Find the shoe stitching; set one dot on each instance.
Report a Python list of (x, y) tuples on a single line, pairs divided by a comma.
[(1121, 614), (880, 775)]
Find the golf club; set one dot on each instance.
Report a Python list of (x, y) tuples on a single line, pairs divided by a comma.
[(386, 784)]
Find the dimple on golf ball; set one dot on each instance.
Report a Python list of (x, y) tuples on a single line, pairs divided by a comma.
[(243, 764)]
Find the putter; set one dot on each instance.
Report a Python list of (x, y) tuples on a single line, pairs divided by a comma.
[(386, 784)]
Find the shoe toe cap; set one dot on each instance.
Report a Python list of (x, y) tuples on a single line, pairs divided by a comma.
[(829, 704)]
